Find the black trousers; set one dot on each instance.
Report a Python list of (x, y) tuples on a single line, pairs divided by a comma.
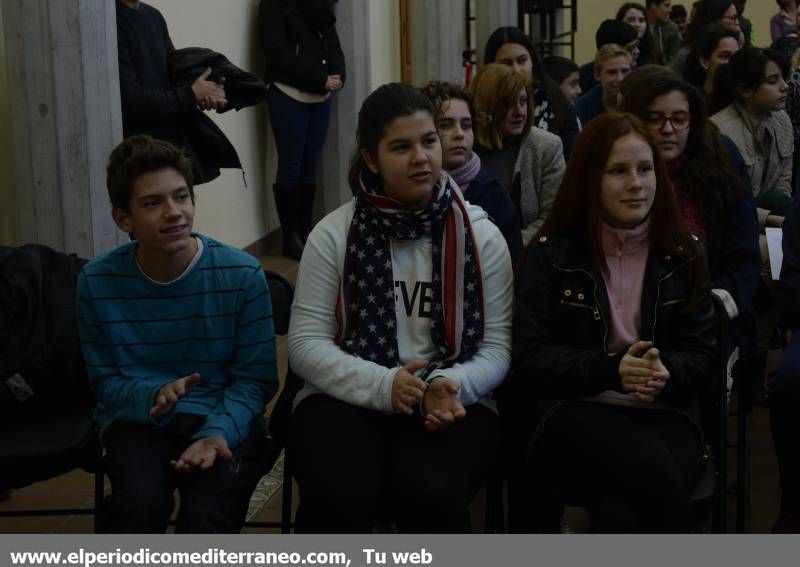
[(142, 480), (357, 468), (633, 468), (783, 387)]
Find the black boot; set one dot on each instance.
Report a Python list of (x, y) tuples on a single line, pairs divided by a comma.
[(305, 209), (286, 203)]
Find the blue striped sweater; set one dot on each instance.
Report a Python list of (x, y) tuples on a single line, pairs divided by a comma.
[(216, 320)]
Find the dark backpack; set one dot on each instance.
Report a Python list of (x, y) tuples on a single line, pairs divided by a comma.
[(41, 366)]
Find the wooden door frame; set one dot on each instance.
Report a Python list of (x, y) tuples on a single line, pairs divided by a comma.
[(405, 41)]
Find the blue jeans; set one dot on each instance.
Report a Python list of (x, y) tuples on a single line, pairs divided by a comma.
[(142, 480), (300, 129)]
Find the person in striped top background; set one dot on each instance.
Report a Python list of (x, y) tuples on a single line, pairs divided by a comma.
[(177, 334)]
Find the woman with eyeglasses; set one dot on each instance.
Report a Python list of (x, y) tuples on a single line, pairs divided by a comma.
[(710, 182)]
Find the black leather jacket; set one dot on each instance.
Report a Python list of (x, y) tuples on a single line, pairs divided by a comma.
[(562, 325), (242, 89), (300, 43)]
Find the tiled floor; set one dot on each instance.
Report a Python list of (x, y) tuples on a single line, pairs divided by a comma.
[(75, 489)]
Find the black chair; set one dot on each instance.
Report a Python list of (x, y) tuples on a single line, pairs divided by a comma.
[(45, 447), (746, 373), (281, 294), (708, 493), (52, 432)]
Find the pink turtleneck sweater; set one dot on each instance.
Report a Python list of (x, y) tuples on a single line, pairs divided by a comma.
[(626, 253)]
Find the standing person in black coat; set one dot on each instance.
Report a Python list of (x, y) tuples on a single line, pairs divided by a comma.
[(305, 64), (150, 103)]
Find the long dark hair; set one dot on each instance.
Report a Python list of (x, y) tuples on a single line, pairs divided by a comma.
[(704, 45), (708, 174), (559, 68), (646, 52), (541, 80), (582, 181), (707, 12), (379, 109), (745, 71)]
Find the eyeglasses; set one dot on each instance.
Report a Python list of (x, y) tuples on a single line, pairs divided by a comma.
[(679, 121)]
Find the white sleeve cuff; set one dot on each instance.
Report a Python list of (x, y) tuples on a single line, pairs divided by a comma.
[(728, 301)]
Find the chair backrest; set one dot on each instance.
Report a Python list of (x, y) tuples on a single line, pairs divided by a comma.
[(282, 293), (714, 413), (714, 402)]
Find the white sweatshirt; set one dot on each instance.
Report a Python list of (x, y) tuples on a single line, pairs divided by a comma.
[(315, 357)]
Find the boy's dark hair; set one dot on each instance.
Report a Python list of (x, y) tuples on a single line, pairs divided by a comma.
[(614, 31), (439, 92), (559, 68), (136, 156), (649, 3), (677, 11)]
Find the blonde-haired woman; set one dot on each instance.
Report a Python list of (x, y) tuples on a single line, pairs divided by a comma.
[(528, 160)]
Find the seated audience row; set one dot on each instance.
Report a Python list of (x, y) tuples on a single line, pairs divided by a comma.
[(406, 298)]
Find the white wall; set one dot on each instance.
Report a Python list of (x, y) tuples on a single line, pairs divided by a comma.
[(384, 22), (226, 209)]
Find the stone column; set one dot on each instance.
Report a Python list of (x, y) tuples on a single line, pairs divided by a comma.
[(63, 87), (352, 25), (490, 15), (437, 40)]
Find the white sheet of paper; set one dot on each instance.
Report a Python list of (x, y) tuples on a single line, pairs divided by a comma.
[(775, 248)]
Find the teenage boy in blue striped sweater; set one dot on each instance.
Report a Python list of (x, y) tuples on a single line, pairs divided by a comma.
[(176, 330)]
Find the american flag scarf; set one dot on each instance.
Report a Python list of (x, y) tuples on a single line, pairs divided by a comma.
[(366, 316)]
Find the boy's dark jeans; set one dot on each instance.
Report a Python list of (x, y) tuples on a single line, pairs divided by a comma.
[(142, 480)]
